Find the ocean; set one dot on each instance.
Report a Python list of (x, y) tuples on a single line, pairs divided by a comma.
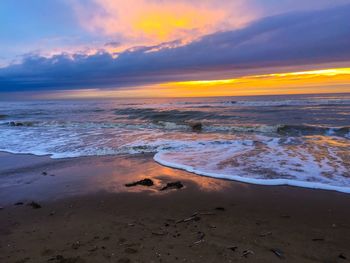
[(299, 140)]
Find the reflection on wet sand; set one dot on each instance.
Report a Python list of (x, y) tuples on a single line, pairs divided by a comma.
[(55, 179)]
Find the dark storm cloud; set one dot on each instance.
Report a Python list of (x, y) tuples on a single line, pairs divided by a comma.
[(289, 39)]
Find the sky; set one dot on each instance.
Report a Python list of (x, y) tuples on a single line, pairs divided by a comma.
[(174, 48)]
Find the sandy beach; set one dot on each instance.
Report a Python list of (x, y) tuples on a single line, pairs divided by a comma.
[(82, 212), (156, 131)]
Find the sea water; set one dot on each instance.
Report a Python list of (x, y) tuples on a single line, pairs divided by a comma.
[(300, 140)]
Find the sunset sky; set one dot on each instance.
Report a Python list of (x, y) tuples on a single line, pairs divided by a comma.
[(145, 48)]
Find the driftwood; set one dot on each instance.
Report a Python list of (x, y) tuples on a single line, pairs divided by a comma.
[(195, 217), (248, 252), (200, 239), (191, 218), (277, 252), (265, 234)]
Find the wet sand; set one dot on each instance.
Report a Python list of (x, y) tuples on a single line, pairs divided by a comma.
[(88, 215)]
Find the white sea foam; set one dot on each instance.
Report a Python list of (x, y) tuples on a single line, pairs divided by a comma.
[(267, 162)]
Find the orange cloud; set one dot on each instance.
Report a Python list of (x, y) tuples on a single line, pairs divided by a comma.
[(145, 22)]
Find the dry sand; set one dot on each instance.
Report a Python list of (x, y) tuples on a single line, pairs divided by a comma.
[(88, 215)]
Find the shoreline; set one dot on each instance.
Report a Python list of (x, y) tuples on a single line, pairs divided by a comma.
[(88, 215), (190, 169)]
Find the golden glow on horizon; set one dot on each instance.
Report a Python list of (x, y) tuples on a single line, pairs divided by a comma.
[(302, 74), (334, 80), (300, 82)]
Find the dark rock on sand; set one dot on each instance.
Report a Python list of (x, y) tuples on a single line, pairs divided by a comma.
[(342, 256), (144, 182), (34, 205), (197, 126), (219, 208), (3, 116), (19, 203), (44, 173), (172, 185)]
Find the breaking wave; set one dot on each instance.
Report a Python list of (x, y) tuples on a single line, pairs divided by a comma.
[(278, 130)]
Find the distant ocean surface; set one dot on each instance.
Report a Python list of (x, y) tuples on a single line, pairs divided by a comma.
[(295, 140)]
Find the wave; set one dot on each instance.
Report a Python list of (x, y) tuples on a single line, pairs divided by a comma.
[(163, 115), (263, 103), (295, 130), (187, 126)]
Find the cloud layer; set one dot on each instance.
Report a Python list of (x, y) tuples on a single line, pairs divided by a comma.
[(154, 21), (290, 39)]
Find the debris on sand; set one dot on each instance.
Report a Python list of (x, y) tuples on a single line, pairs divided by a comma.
[(144, 182), (246, 253), (159, 233), (233, 248), (277, 252), (265, 234), (172, 185), (62, 259), (196, 127), (124, 260), (34, 205), (193, 217), (317, 239), (130, 250), (188, 219), (76, 245), (285, 216), (23, 260), (201, 236)]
